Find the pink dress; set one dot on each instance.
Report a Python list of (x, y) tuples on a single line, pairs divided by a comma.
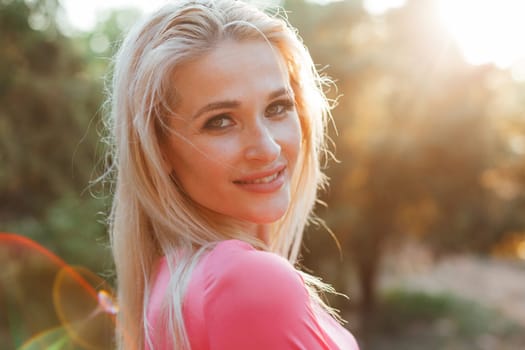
[(240, 298)]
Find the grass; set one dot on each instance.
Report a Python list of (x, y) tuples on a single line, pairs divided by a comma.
[(411, 320)]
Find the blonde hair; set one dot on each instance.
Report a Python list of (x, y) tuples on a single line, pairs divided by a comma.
[(150, 217)]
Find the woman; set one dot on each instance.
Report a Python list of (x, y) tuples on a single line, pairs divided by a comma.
[(218, 122)]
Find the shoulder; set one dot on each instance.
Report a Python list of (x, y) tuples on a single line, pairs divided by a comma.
[(242, 298), (237, 265), (237, 271)]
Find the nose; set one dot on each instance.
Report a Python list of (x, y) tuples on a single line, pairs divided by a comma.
[(261, 144)]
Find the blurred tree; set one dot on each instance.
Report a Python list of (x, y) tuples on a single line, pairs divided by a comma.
[(417, 135), (48, 106), (50, 101), (47, 103), (99, 45)]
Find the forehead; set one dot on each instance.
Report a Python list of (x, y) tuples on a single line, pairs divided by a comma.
[(230, 70)]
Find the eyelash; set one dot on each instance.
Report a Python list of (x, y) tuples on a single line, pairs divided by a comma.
[(208, 125), (286, 104)]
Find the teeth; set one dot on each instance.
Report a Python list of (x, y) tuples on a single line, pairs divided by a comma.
[(263, 180)]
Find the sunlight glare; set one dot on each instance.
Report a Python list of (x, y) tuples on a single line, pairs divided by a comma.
[(488, 31), (378, 7), (83, 15), (518, 70), (107, 302), (521, 250)]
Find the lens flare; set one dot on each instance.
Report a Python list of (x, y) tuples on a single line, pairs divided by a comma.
[(77, 304), (56, 338), (107, 302), (49, 304)]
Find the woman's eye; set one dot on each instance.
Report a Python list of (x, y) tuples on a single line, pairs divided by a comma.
[(279, 108), (219, 122)]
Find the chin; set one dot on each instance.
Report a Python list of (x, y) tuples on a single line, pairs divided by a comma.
[(266, 218)]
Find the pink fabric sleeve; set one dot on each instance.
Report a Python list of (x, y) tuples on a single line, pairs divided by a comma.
[(239, 298), (256, 300)]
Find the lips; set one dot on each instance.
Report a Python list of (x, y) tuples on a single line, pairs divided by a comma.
[(263, 182)]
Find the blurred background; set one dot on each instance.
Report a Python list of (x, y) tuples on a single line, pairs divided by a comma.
[(427, 198)]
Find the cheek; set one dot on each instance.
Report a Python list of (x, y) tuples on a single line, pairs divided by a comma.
[(291, 138), (216, 156), (202, 158)]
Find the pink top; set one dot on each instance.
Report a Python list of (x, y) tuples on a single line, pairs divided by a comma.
[(240, 298)]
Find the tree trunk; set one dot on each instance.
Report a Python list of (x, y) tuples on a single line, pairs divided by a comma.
[(367, 280), (368, 268)]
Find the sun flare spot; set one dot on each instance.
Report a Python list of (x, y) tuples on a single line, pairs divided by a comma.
[(489, 31), (521, 250)]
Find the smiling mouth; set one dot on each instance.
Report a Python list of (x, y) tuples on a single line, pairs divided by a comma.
[(262, 180)]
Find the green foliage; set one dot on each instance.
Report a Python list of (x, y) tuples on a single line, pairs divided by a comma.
[(99, 45), (467, 317), (47, 108), (410, 319), (49, 113), (73, 228)]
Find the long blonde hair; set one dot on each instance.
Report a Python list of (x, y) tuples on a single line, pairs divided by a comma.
[(150, 217)]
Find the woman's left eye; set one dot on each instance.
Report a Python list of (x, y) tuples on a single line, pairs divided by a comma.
[(218, 122), (279, 108)]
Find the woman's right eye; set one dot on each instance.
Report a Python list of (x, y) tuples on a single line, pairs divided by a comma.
[(219, 122)]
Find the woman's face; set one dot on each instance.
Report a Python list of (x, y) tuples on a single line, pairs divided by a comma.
[(236, 132)]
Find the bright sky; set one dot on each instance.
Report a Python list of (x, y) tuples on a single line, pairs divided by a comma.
[(487, 31), (82, 14)]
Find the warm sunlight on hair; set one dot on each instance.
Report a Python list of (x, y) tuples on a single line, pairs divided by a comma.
[(488, 31)]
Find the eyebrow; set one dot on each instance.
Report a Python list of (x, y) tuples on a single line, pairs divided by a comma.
[(233, 104)]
